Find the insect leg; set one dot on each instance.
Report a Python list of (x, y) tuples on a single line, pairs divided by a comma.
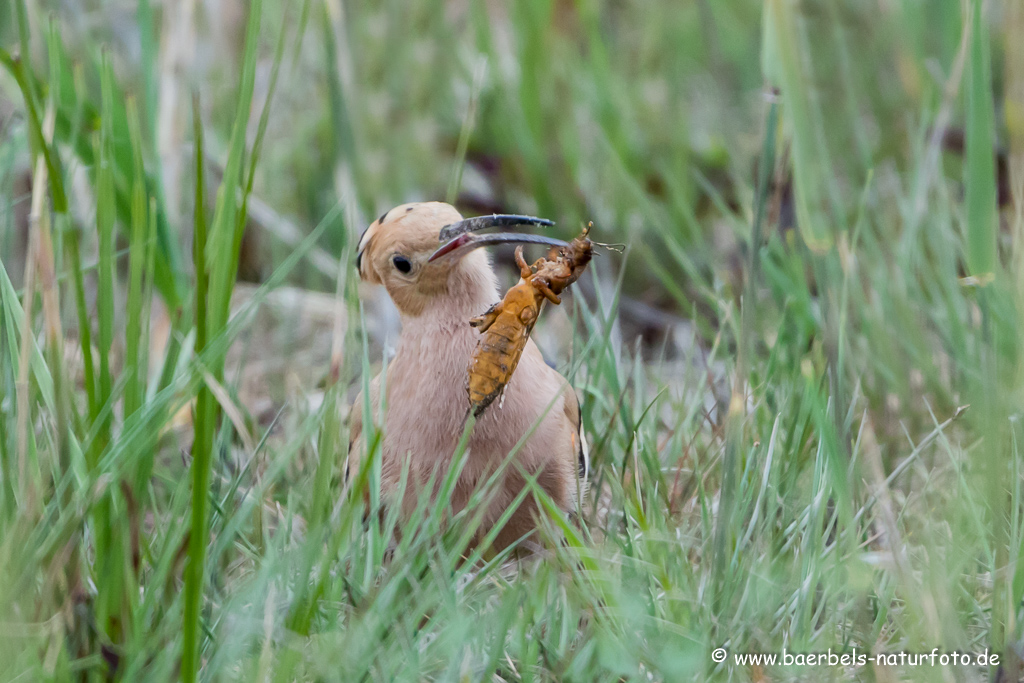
[(543, 288), (484, 321), (524, 267)]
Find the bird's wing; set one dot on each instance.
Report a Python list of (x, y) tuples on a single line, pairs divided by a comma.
[(571, 407), (537, 370), (355, 435)]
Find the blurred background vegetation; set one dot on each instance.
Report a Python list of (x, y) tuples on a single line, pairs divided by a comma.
[(801, 380)]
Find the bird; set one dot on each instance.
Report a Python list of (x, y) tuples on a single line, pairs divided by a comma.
[(437, 290)]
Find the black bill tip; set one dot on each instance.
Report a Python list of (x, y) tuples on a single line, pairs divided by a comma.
[(496, 220), (467, 242)]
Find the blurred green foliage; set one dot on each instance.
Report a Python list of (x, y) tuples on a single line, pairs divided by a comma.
[(802, 381)]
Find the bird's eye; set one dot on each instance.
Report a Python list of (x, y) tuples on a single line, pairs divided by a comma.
[(402, 264)]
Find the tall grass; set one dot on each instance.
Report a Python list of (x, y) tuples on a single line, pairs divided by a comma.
[(801, 383)]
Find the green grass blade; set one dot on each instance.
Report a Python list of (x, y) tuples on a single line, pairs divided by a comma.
[(810, 165), (225, 237), (980, 171), (17, 69), (203, 418), (71, 239), (135, 389), (105, 217)]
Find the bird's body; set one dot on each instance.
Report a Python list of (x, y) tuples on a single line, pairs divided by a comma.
[(426, 383)]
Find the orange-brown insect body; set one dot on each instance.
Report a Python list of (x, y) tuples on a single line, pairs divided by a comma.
[(506, 326)]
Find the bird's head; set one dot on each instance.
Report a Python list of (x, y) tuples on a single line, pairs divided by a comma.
[(426, 253)]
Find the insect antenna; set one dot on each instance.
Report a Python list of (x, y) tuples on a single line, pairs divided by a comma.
[(617, 247)]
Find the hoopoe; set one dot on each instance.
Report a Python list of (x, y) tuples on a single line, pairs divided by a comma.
[(437, 290)]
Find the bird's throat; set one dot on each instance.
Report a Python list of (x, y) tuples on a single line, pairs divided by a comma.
[(469, 291)]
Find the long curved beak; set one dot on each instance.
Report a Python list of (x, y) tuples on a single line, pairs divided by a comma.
[(460, 239)]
